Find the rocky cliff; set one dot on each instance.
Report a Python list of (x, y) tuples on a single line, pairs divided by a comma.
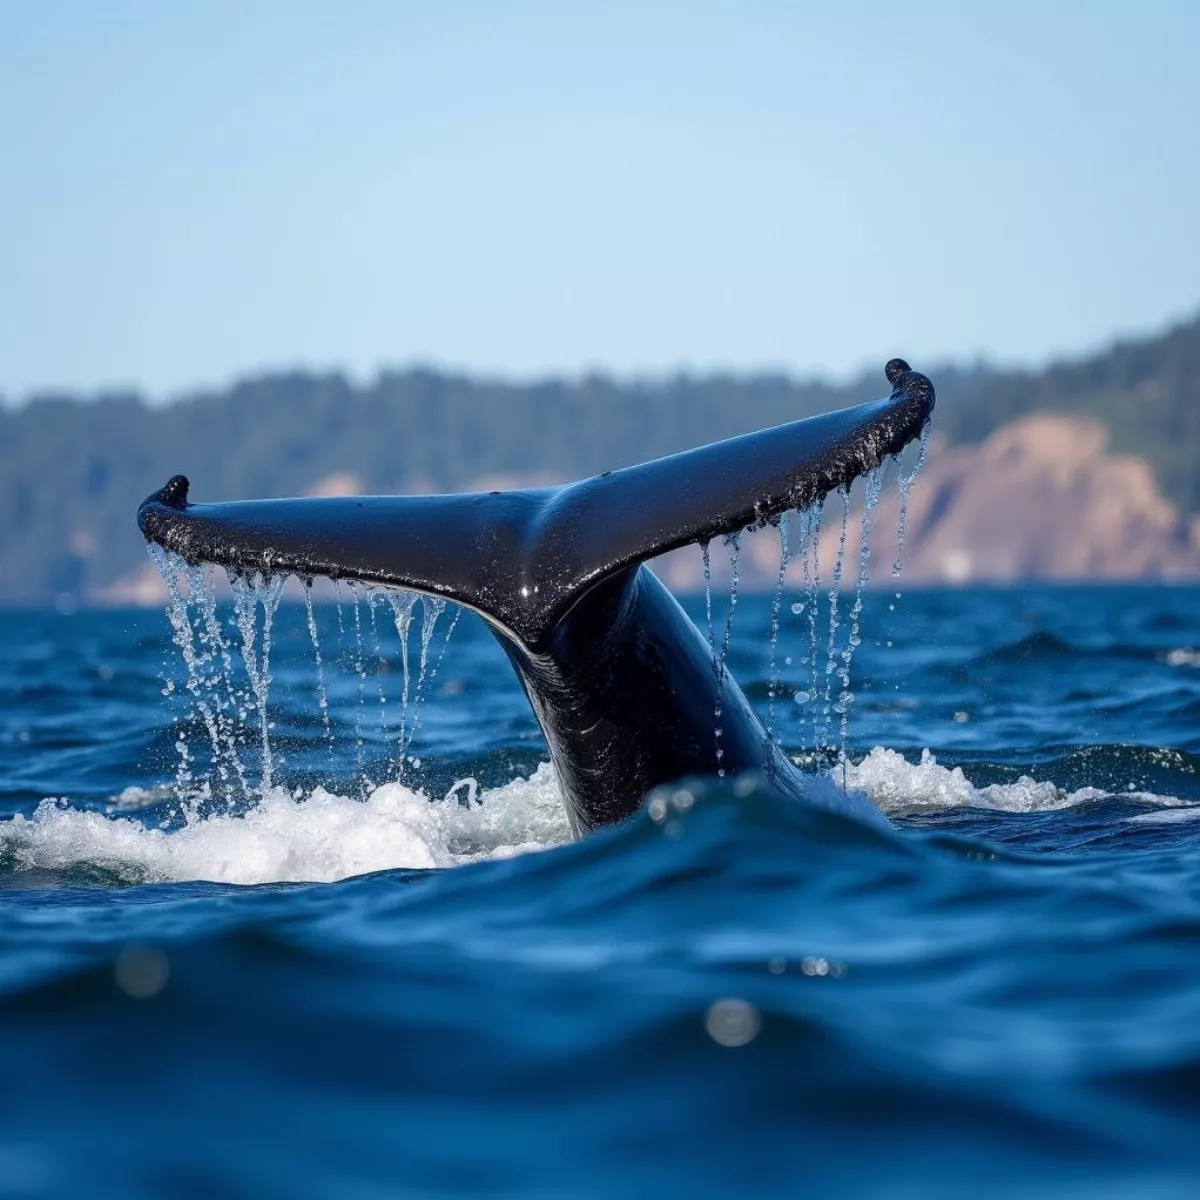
[(1041, 498)]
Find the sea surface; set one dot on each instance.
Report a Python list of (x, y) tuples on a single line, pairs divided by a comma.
[(393, 974)]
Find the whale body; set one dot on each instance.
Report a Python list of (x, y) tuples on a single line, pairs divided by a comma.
[(622, 682)]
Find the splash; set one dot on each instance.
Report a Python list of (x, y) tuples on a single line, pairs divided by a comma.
[(320, 837), (898, 787)]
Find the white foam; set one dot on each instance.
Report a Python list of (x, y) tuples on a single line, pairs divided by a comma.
[(320, 838), (324, 837), (897, 786)]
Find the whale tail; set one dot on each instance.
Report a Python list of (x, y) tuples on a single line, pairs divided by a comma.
[(524, 559)]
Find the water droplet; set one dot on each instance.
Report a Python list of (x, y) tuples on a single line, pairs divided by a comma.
[(733, 1022)]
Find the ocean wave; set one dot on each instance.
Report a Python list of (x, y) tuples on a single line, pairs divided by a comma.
[(323, 837), (1048, 647)]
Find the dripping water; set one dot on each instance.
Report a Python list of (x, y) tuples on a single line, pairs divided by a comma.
[(361, 672), (905, 483), (222, 686), (834, 596), (373, 598), (432, 608), (776, 604), (246, 596), (706, 555), (402, 609), (445, 642), (196, 662), (173, 569), (812, 586), (322, 694), (734, 544), (337, 591)]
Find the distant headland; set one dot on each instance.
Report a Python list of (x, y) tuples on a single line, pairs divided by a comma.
[(1086, 470)]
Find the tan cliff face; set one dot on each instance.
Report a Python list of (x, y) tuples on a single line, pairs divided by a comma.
[(1041, 498)]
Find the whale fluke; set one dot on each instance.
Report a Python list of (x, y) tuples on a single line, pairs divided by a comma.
[(523, 558), (620, 679)]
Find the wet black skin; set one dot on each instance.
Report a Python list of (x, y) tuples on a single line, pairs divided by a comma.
[(622, 682)]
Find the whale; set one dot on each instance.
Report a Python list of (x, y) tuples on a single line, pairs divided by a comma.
[(622, 682)]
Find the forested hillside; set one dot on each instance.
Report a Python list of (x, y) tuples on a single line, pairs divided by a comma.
[(73, 469)]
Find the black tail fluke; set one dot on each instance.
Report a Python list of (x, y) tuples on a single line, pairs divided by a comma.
[(466, 548), (523, 559), (605, 524)]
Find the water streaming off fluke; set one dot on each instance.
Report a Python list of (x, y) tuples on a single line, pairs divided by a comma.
[(229, 695), (231, 701)]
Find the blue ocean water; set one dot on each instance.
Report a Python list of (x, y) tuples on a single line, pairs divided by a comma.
[(361, 985)]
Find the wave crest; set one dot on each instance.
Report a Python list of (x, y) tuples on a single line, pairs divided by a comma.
[(897, 786)]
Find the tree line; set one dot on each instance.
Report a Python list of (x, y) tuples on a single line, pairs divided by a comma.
[(74, 468)]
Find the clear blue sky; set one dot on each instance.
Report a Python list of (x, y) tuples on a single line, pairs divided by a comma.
[(189, 191)]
